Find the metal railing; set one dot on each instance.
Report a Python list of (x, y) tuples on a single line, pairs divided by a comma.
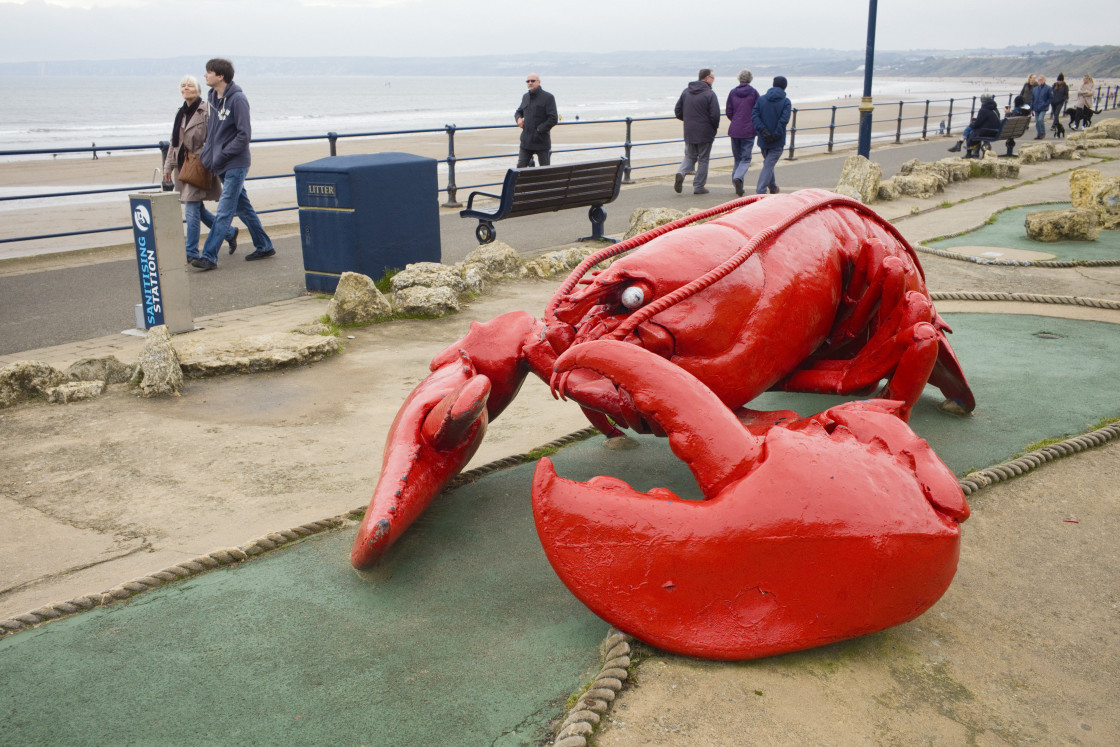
[(840, 132)]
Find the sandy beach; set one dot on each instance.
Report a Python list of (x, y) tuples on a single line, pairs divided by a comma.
[(655, 155)]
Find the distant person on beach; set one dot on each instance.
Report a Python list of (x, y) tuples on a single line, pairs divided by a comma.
[(188, 133), (771, 115), (536, 117), (739, 109), (698, 108), (226, 155), (1059, 99), (94, 146), (1040, 105)]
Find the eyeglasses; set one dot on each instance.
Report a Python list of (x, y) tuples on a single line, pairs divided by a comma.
[(532, 80)]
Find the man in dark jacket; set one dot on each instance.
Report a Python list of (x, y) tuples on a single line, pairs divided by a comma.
[(536, 117), (226, 154), (698, 108), (1041, 98), (770, 116)]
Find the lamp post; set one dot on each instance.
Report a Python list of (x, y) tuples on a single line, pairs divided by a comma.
[(865, 107)]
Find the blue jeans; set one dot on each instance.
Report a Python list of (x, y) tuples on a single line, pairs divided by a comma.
[(1040, 123), (741, 148), (696, 156), (196, 212), (770, 156), (234, 201)]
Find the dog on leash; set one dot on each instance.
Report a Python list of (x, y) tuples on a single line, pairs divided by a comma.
[(1080, 117), (1057, 129)]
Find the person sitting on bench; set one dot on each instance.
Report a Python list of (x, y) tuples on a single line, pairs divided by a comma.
[(984, 124)]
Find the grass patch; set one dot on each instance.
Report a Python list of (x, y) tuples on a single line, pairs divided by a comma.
[(385, 282), (542, 451), (946, 203)]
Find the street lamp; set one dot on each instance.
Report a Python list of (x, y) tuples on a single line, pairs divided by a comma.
[(865, 107)]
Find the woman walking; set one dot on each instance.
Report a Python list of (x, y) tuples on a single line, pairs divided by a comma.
[(739, 108), (187, 136)]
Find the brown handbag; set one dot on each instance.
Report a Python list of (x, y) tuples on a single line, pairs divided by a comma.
[(194, 173)]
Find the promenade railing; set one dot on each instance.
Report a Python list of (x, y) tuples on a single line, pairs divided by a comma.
[(907, 119)]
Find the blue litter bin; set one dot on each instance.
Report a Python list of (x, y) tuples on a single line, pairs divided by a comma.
[(366, 213)]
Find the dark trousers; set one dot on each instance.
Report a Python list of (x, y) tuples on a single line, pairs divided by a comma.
[(525, 157)]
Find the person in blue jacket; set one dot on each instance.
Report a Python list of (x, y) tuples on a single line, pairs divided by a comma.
[(770, 117), (1041, 98), (226, 155)]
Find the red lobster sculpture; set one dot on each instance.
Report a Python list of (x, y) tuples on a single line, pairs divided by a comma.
[(811, 530)]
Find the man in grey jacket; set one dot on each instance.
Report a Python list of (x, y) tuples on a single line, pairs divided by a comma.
[(226, 154), (698, 108), (536, 117)]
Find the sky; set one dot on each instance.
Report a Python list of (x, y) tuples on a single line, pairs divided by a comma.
[(43, 30)]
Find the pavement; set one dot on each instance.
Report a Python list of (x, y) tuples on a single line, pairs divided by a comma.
[(1023, 647)]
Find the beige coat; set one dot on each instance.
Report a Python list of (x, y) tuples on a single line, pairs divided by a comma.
[(1085, 94), (192, 135)]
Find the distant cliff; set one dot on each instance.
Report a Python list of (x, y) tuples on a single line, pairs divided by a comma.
[(1100, 62)]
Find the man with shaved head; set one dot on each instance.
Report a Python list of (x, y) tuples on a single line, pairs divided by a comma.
[(536, 117)]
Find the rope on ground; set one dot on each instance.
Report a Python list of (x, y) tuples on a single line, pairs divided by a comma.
[(1018, 262), (231, 555), (585, 715), (975, 481), (1095, 303)]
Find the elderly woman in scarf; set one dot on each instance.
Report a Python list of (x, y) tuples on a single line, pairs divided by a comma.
[(187, 135)]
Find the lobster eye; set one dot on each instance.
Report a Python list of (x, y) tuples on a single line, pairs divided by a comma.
[(633, 297)]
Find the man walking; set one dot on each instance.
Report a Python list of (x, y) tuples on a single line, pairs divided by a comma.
[(698, 108), (536, 117), (771, 115), (226, 154), (1041, 98)]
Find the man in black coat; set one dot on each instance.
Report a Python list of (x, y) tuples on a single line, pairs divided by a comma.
[(698, 108), (536, 117)]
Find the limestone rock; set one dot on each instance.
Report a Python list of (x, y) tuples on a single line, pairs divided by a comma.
[(418, 300), (1090, 190), (254, 354), (861, 176), (107, 369), (1077, 224), (937, 169), (1036, 152), (994, 168), (24, 379), (158, 372), (313, 328), (556, 262), (474, 277), (75, 391), (357, 301), (646, 219), (889, 190), (428, 275), (497, 260), (919, 184), (1105, 128)]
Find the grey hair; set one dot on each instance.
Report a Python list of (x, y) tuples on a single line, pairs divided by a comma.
[(745, 76), (194, 81)]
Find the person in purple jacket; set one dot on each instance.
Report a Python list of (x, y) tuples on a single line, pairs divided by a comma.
[(740, 105), (226, 155)]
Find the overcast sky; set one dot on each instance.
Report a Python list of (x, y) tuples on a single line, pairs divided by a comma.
[(35, 30)]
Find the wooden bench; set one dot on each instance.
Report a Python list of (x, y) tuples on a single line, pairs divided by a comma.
[(550, 188), (1009, 129)]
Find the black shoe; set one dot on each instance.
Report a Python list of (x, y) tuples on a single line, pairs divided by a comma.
[(260, 254), (232, 240), (204, 264), (774, 190), (192, 257), (956, 148), (738, 186), (678, 182), (700, 191)]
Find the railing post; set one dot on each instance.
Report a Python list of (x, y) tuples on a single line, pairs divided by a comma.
[(626, 146), (792, 135), (451, 188), (925, 121), (332, 137), (832, 130), (898, 127), (949, 121), (972, 112)]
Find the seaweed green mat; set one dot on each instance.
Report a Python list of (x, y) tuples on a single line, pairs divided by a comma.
[(1009, 232), (465, 636)]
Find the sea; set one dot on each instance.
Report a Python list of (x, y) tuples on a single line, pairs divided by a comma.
[(52, 113)]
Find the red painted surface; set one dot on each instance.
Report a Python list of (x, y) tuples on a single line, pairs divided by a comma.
[(808, 291)]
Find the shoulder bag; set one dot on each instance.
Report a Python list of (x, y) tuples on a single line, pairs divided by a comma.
[(194, 173)]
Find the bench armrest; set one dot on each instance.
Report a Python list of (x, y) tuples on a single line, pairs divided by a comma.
[(471, 196)]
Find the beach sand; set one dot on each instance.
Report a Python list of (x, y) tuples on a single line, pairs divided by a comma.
[(655, 155)]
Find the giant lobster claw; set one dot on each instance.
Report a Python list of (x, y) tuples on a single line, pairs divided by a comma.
[(817, 530)]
